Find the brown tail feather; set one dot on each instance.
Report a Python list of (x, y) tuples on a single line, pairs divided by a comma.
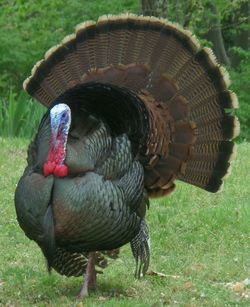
[(183, 87)]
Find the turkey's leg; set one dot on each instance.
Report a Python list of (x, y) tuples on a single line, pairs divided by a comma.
[(90, 278)]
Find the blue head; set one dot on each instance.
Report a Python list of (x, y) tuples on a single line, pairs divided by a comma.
[(60, 119)]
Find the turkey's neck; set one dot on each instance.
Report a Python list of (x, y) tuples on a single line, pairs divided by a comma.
[(57, 151), (56, 155)]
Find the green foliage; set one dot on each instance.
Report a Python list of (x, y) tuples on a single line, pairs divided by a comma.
[(240, 84), (19, 115), (200, 241)]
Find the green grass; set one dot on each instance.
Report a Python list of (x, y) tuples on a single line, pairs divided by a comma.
[(200, 241)]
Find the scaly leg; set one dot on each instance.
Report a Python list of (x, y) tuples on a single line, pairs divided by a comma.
[(90, 278)]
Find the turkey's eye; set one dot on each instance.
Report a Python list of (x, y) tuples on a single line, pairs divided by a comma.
[(64, 117)]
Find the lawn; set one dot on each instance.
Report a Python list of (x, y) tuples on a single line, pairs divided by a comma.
[(200, 244)]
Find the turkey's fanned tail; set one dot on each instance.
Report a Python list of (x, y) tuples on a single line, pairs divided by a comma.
[(185, 91)]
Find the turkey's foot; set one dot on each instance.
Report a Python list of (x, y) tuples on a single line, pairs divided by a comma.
[(90, 278)]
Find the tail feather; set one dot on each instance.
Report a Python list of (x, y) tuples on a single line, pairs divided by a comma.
[(225, 128), (222, 100), (135, 40), (209, 164), (84, 45), (71, 58)]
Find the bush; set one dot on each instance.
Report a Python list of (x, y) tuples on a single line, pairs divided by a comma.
[(240, 84), (19, 115)]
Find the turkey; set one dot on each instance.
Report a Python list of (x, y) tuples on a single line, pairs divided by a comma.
[(134, 104)]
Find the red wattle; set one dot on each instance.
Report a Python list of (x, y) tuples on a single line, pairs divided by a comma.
[(61, 170), (56, 155), (48, 168)]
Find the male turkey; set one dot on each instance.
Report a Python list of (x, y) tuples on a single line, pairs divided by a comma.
[(133, 103)]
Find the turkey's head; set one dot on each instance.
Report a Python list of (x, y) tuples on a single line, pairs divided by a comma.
[(60, 120)]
